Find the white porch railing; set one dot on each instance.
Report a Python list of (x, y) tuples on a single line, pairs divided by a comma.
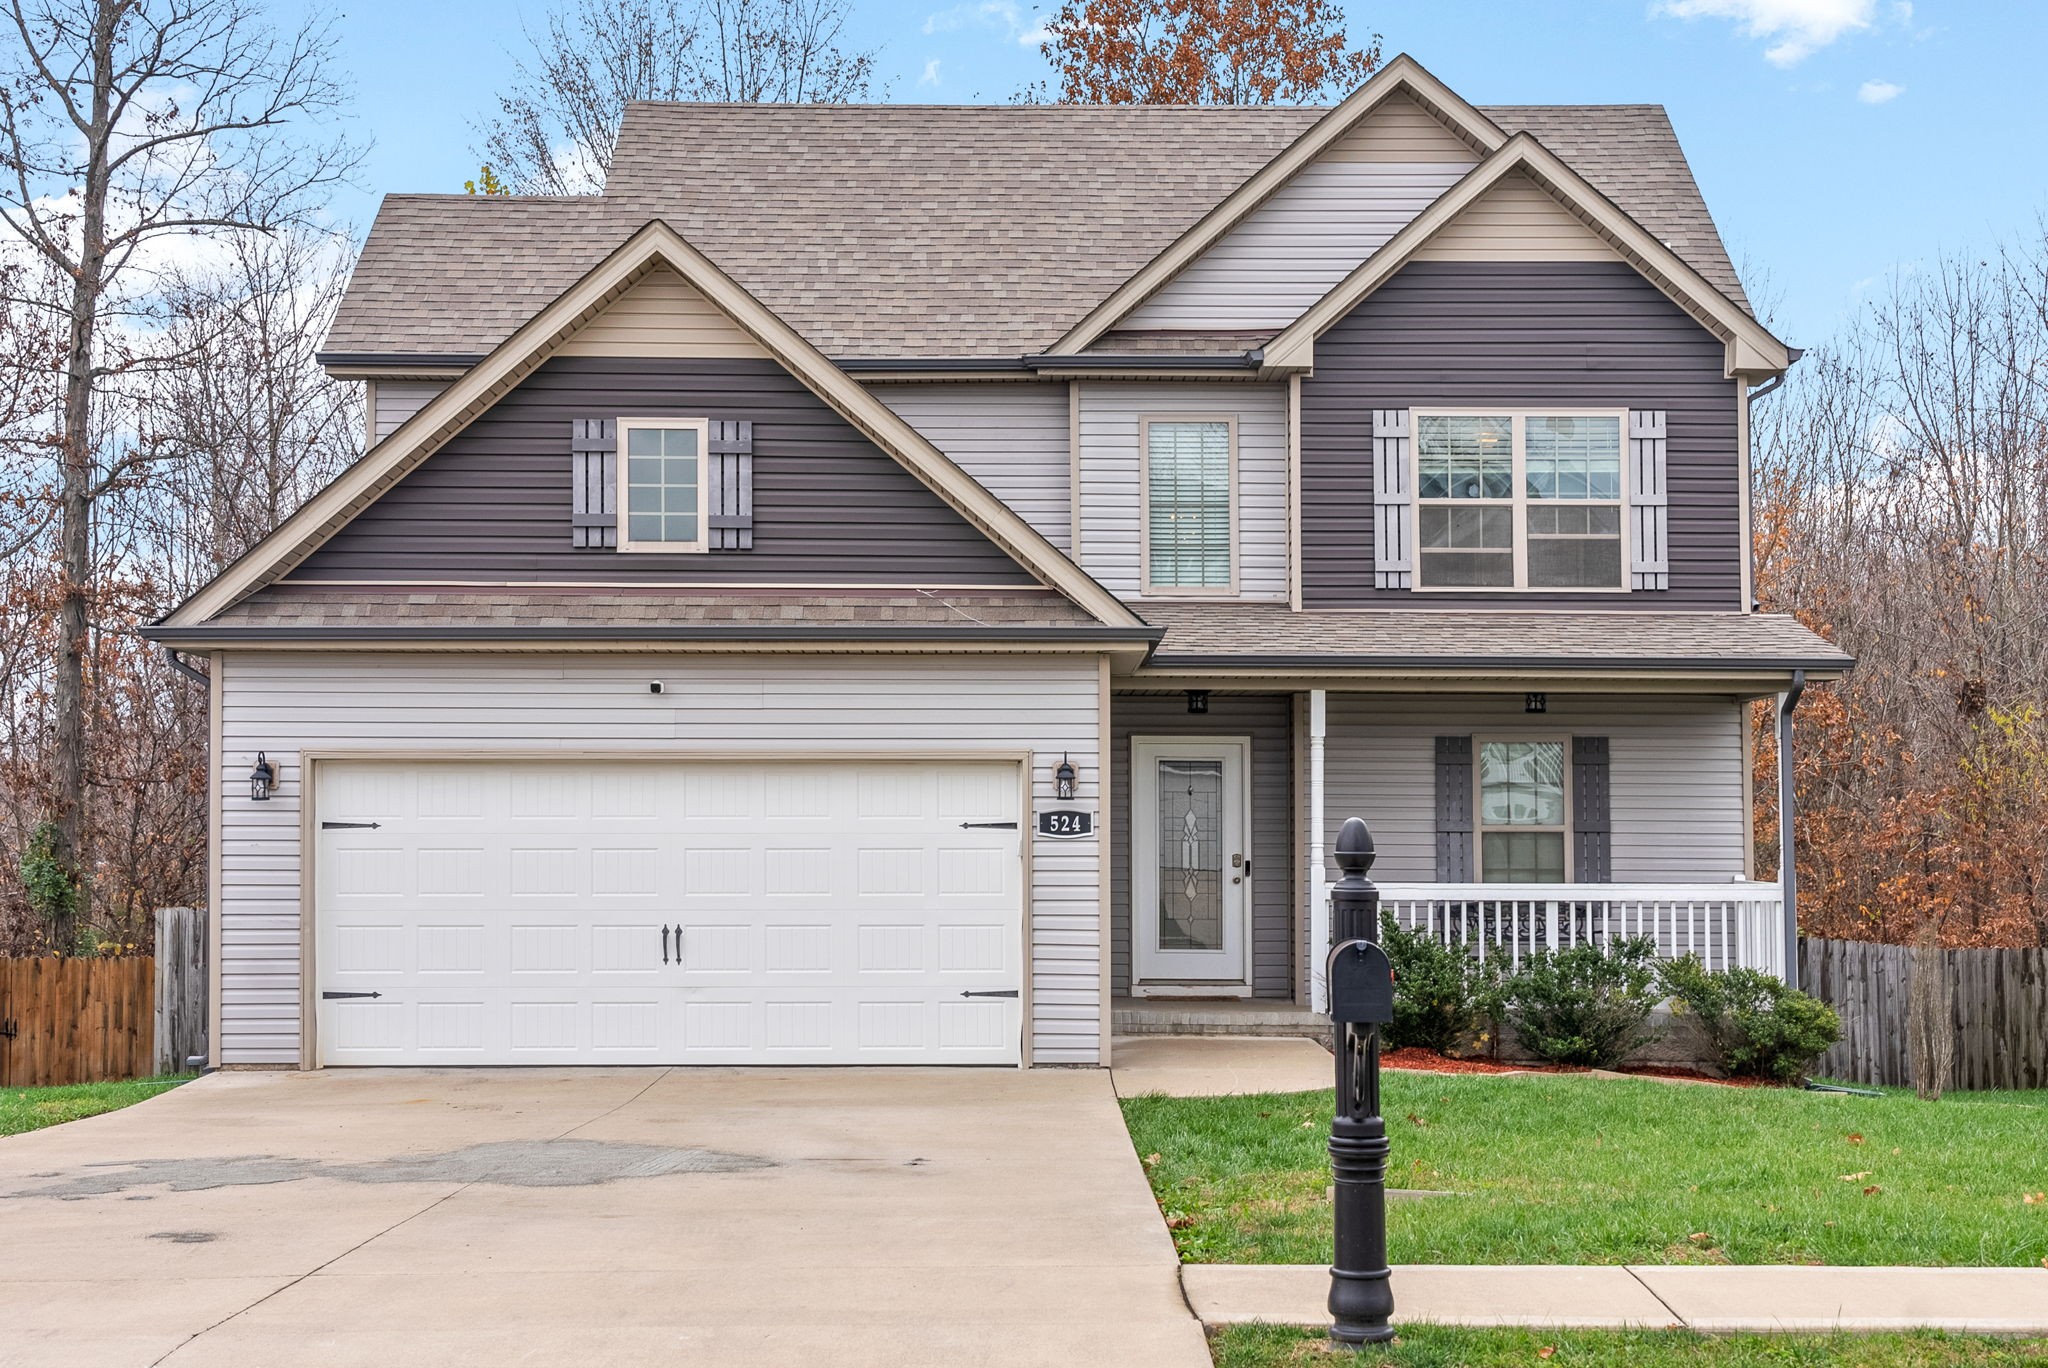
[(1724, 924)]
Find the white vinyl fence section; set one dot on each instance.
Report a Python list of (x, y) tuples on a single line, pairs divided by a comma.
[(1725, 924)]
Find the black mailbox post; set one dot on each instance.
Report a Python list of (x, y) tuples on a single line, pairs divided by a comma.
[(1361, 991)]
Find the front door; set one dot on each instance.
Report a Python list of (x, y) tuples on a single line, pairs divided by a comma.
[(1190, 870)]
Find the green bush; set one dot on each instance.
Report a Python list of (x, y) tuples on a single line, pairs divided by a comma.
[(1434, 985), (1586, 1005), (1756, 1026)]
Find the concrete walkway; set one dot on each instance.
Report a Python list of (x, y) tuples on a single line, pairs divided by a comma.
[(432, 1218), (1217, 1066), (2008, 1301)]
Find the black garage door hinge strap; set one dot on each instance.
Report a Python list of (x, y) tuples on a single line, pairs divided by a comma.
[(992, 992), (353, 826), (329, 997), (992, 826)]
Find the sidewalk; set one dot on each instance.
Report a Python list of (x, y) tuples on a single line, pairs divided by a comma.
[(2006, 1301)]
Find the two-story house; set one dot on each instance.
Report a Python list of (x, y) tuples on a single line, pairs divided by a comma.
[(880, 584)]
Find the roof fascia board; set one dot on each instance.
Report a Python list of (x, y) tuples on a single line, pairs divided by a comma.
[(1749, 347), (1403, 74), (654, 244)]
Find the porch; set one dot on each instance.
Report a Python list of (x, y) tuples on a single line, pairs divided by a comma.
[(1506, 819)]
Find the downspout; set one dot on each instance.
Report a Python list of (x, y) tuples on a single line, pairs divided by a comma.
[(1788, 864), (177, 660), (1318, 902)]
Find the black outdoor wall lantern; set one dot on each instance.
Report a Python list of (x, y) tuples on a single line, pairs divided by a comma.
[(1063, 781), (262, 779), (1198, 700)]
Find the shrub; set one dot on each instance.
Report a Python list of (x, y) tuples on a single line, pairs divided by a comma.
[(1433, 989), (1756, 1026), (1586, 1005)]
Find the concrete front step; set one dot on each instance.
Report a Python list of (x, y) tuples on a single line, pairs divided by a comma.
[(1216, 1017)]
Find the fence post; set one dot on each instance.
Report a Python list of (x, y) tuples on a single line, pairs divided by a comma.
[(181, 988)]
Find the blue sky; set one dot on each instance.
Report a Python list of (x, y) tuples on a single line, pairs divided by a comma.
[(1837, 140)]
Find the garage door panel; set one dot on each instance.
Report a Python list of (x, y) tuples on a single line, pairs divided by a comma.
[(714, 913)]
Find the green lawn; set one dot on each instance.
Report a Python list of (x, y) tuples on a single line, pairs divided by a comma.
[(27, 1109), (1562, 1169), (1265, 1346)]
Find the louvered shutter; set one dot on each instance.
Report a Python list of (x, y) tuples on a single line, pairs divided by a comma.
[(1649, 505), (732, 486), (594, 483), (1454, 809), (1592, 822), (1393, 502)]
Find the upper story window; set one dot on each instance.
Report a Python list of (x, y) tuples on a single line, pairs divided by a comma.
[(1524, 825), (1190, 470), (665, 476), (1512, 500)]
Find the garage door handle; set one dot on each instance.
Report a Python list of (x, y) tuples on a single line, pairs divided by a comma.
[(993, 992), (664, 942)]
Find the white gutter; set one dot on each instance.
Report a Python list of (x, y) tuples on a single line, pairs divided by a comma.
[(1318, 899)]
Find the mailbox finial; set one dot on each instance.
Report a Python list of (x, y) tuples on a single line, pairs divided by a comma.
[(1354, 846)]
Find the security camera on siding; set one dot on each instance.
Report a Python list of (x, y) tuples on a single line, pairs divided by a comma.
[(654, 686)]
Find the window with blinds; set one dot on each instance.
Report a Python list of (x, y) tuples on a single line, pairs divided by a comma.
[(1519, 501), (1188, 515)]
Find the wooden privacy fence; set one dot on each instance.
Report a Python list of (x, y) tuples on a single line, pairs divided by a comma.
[(86, 1020), (2000, 1017), (76, 1020)]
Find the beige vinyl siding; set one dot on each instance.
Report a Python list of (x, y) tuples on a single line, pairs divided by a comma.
[(403, 705), (1010, 437), (1112, 414), (1516, 220), (1675, 770), (661, 315), (1316, 229), (1400, 130), (394, 401)]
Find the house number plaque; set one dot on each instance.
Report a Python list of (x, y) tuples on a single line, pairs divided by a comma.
[(1066, 824)]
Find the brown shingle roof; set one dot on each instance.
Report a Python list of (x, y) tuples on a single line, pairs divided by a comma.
[(1245, 634), (913, 231), (304, 606)]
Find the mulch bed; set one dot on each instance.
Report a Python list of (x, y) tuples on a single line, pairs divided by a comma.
[(1428, 1061)]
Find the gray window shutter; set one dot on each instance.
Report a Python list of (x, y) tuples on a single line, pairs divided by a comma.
[(1454, 809), (1393, 503), (594, 483), (1649, 504), (1592, 822), (732, 486)]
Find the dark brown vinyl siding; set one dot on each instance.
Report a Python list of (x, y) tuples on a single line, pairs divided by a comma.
[(829, 506), (1528, 334), (1268, 719)]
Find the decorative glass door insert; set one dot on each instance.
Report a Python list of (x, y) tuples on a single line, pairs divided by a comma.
[(1189, 860)]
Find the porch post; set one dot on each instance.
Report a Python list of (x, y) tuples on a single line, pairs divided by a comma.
[(1318, 902), (1788, 863)]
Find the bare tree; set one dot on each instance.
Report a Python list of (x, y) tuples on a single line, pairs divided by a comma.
[(1902, 507), (554, 133), (126, 127)]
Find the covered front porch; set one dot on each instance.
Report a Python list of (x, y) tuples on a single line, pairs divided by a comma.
[(1505, 819)]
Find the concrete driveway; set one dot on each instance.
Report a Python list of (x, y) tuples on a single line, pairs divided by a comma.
[(594, 1216)]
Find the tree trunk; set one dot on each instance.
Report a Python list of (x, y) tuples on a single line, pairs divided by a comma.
[(75, 507)]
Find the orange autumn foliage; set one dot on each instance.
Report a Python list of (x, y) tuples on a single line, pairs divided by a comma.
[(1246, 52)]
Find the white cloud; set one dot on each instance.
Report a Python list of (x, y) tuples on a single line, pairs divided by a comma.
[(1798, 28), (1006, 15), (931, 73), (1879, 92)]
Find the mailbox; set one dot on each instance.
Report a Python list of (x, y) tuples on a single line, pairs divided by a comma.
[(1361, 980)]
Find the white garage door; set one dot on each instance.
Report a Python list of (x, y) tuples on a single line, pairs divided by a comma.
[(668, 913)]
